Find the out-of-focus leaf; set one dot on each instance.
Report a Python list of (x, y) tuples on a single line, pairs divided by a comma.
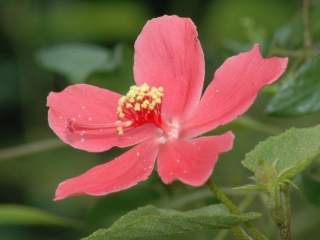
[(278, 159), (232, 13), (78, 61), (121, 78), (311, 185), (22, 215), (289, 35), (299, 95), (148, 223)]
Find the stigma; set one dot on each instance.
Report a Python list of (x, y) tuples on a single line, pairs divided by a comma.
[(141, 104)]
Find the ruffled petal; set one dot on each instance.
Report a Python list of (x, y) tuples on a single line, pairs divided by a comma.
[(121, 173), (89, 105), (234, 89), (192, 161), (168, 54)]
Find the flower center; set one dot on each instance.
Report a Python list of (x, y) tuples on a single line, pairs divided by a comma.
[(141, 104)]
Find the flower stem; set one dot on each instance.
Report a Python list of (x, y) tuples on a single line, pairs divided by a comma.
[(238, 232)]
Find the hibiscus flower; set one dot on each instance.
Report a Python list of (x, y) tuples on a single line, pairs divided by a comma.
[(163, 115)]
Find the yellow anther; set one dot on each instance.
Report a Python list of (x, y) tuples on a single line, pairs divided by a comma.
[(137, 107), (145, 104), (137, 98), (129, 105), (158, 100), (134, 87), (144, 87), (152, 105), (120, 130), (123, 99), (140, 97), (128, 123)]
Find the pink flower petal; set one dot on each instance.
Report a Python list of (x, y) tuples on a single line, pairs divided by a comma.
[(192, 161), (168, 54), (121, 173), (234, 89), (90, 105)]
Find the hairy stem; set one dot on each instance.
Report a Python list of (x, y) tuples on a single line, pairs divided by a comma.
[(281, 212), (256, 234), (285, 231), (244, 204)]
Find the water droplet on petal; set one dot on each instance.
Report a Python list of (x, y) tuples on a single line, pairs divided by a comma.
[(90, 118), (138, 154)]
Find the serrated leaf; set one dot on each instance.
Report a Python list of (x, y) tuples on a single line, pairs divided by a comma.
[(300, 94), (78, 61), (151, 223), (11, 214), (279, 158)]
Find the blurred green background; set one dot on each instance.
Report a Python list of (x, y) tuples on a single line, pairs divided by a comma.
[(46, 45)]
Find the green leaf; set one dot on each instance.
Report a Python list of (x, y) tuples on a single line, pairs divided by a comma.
[(117, 205), (11, 214), (279, 158), (299, 94), (150, 223), (78, 61), (121, 78), (288, 36)]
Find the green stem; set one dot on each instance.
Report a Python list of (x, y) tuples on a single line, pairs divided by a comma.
[(29, 148), (306, 25), (258, 126), (244, 204), (234, 209), (281, 212), (286, 228)]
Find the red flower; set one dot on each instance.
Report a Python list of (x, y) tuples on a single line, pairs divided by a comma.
[(163, 114)]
